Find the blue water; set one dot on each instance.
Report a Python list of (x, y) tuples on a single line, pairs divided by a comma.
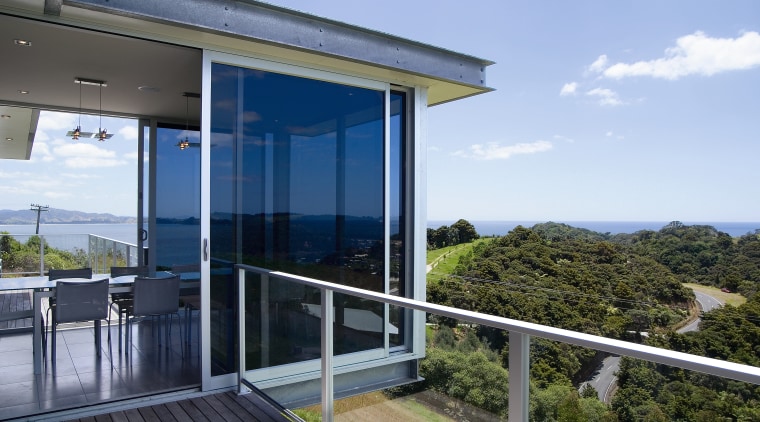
[(500, 228), (122, 232)]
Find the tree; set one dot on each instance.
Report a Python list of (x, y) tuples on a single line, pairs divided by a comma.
[(466, 231)]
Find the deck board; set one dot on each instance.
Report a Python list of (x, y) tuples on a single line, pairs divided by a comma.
[(226, 413), (225, 406), (12, 301)]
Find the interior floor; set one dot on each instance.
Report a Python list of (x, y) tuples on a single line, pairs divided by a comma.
[(80, 377)]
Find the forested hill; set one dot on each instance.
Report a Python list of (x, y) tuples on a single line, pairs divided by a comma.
[(573, 279), (694, 254), (620, 286)]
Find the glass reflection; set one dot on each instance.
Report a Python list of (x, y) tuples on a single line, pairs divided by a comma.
[(297, 186)]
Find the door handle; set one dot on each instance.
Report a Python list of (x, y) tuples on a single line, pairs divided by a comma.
[(143, 234), (205, 249)]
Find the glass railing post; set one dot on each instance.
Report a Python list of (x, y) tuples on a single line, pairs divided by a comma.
[(327, 354), (519, 376), (42, 255), (264, 320), (241, 332)]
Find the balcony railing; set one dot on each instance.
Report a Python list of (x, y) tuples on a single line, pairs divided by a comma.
[(80, 250), (520, 334)]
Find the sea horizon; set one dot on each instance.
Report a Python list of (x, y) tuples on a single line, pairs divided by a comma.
[(126, 232)]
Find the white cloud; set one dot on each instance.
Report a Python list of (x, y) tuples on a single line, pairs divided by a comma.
[(695, 54), (564, 139), (608, 134), (56, 194), (599, 64), (128, 133), (606, 97), (87, 155), (56, 122), (568, 89), (494, 151)]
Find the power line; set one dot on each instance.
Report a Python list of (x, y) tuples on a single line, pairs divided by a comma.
[(39, 208)]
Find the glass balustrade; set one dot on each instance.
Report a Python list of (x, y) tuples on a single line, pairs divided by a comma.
[(479, 367)]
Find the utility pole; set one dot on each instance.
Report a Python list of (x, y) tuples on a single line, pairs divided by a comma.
[(39, 208)]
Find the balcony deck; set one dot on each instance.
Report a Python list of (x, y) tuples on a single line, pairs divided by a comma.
[(227, 406)]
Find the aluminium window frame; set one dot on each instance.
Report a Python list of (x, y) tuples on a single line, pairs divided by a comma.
[(414, 340)]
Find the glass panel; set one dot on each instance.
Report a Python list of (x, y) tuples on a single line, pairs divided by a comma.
[(297, 186), (177, 199), (398, 216)]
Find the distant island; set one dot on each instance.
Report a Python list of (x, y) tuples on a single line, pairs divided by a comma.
[(58, 216)]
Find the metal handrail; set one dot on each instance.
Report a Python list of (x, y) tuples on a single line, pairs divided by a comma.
[(519, 338)]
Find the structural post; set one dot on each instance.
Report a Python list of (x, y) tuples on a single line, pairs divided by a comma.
[(241, 331), (519, 376), (327, 355)]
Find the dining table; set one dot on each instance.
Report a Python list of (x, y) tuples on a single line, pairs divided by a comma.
[(42, 287)]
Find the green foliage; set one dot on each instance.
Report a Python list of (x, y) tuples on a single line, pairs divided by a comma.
[(617, 286), (24, 257), (470, 377), (460, 232)]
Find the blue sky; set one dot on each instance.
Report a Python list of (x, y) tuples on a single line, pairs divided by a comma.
[(624, 110)]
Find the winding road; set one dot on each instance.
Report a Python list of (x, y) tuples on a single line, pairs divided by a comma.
[(604, 379)]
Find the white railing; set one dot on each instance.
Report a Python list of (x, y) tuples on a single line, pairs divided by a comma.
[(519, 341)]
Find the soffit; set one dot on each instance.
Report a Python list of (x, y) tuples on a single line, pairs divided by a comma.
[(250, 27)]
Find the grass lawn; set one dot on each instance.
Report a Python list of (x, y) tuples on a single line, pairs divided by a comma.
[(444, 260), (733, 299)]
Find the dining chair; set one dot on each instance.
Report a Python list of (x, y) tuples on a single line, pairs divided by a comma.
[(154, 297), (123, 300), (57, 274), (79, 301), (190, 300)]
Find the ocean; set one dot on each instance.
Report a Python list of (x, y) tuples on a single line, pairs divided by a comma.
[(128, 232)]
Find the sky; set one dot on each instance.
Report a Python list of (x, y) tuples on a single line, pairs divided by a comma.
[(611, 111)]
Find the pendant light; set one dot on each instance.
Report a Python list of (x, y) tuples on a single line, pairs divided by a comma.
[(102, 133), (185, 143), (78, 131)]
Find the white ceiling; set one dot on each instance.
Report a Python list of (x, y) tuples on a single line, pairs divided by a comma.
[(59, 54)]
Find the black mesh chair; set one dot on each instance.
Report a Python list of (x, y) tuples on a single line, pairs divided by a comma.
[(54, 274), (78, 301), (122, 301), (154, 297), (190, 298)]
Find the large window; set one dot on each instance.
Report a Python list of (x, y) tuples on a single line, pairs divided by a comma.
[(298, 184)]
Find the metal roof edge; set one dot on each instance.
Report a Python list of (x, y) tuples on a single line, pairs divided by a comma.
[(284, 27)]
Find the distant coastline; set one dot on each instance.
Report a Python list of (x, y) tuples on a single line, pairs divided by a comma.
[(59, 216)]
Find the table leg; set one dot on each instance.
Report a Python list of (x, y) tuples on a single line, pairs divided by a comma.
[(97, 336), (37, 336)]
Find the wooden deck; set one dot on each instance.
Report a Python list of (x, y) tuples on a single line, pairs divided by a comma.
[(228, 406), (13, 301)]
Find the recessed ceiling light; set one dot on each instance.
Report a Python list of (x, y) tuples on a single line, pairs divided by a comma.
[(23, 91), (8, 139), (23, 43), (5, 116), (147, 88)]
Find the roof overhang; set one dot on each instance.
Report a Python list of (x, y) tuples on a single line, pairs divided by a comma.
[(255, 27), (17, 128), (128, 42)]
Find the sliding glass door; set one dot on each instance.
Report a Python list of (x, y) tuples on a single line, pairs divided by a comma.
[(299, 181)]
